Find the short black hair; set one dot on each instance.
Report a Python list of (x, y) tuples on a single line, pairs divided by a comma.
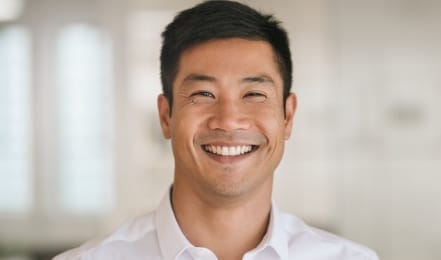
[(221, 19)]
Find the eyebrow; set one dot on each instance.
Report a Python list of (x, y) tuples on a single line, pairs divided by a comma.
[(198, 77), (258, 79), (250, 79)]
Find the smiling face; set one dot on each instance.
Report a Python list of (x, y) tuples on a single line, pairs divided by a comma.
[(228, 125)]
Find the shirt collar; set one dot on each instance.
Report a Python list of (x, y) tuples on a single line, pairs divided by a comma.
[(173, 242), (171, 239), (275, 237)]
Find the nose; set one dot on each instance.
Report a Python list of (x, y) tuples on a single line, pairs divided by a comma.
[(228, 115)]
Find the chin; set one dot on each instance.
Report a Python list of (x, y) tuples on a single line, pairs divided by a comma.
[(231, 190)]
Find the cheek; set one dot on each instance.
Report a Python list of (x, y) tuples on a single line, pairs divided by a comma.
[(273, 128), (185, 124), (181, 139), (271, 118)]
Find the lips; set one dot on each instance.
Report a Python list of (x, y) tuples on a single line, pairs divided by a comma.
[(228, 150)]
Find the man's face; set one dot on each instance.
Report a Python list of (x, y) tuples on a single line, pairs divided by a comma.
[(227, 126)]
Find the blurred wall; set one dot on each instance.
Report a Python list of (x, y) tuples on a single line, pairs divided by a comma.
[(364, 160)]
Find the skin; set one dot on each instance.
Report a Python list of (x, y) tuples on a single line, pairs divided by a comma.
[(227, 93)]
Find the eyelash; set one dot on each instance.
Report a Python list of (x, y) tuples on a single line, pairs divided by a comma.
[(202, 93), (206, 94), (254, 94)]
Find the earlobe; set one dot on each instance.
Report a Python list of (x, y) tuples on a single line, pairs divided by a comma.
[(290, 109), (164, 116)]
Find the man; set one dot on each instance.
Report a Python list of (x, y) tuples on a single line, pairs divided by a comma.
[(227, 109)]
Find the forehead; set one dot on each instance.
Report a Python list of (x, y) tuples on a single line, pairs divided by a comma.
[(234, 57)]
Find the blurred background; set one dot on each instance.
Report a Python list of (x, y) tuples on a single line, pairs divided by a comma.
[(81, 149)]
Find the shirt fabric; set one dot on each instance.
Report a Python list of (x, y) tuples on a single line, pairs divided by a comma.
[(157, 236)]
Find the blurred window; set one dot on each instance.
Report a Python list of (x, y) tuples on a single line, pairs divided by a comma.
[(15, 120), (84, 116)]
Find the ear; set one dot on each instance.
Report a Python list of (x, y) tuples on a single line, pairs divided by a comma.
[(164, 115), (290, 109)]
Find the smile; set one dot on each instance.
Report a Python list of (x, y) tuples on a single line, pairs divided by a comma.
[(229, 150)]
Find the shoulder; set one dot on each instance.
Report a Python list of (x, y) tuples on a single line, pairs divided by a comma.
[(126, 237), (312, 243)]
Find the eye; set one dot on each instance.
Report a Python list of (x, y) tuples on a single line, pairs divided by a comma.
[(255, 96), (202, 94), (202, 97)]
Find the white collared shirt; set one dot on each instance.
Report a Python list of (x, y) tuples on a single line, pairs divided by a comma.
[(157, 236)]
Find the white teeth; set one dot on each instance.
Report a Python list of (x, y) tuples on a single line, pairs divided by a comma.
[(228, 150)]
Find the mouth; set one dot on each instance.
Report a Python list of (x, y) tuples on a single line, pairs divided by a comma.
[(223, 150)]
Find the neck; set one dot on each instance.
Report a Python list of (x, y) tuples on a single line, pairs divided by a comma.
[(229, 228)]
